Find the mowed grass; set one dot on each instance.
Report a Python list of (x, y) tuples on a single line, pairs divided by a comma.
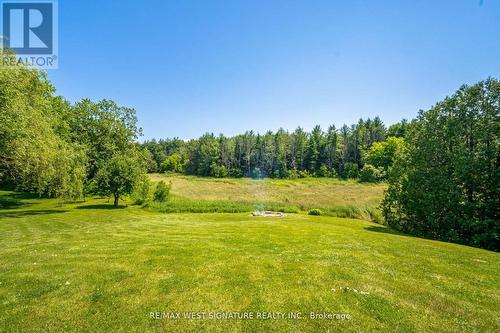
[(86, 267), (334, 197)]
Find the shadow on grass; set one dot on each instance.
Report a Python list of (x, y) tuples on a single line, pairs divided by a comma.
[(386, 230), (24, 213), (101, 206), (11, 200), (10, 204)]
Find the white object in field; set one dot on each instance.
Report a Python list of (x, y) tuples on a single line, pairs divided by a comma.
[(268, 214)]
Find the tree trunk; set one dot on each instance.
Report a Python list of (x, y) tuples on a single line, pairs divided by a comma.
[(116, 200)]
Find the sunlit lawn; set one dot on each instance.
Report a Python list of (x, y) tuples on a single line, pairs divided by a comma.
[(86, 268)]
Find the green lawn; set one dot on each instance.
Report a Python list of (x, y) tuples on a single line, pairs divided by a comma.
[(85, 267)]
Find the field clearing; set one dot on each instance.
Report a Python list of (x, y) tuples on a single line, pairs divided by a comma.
[(336, 197), (88, 267)]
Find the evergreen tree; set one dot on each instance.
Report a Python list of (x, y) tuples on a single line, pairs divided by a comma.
[(314, 148)]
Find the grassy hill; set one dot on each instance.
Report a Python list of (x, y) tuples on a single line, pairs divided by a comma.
[(86, 267), (334, 197)]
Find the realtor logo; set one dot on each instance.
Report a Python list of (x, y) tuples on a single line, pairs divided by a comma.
[(29, 28)]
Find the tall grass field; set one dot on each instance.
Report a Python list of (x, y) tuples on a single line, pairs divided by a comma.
[(333, 197)]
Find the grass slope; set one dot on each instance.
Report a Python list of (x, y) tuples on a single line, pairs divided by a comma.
[(334, 197), (85, 267)]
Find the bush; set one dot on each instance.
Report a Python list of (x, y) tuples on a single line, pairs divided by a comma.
[(219, 171), (376, 216), (294, 174), (371, 174), (142, 191), (325, 171), (351, 170), (162, 191), (315, 211), (278, 174), (303, 174), (235, 173)]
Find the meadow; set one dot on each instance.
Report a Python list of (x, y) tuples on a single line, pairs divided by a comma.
[(89, 267), (339, 198)]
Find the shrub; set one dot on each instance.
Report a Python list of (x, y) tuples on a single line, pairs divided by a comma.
[(162, 191), (142, 191), (371, 174), (278, 174), (304, 174), (235, 173), (294, 174), (325, 171), (219, 171), (376, 216), (315, 211), (351, 170)]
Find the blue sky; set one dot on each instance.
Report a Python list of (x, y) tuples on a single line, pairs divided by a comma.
[(190, 67)]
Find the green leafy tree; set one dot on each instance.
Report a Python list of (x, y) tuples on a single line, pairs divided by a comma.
[(149, 161), (118, 176), (226, 153), (247, 149), (399, 129), (445, 185), (173, 163), (204, 156), (35, 152), (105, 129), (382, 154), (263, 161), (68, 173)]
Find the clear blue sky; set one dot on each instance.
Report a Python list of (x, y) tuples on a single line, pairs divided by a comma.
[(190, 67)]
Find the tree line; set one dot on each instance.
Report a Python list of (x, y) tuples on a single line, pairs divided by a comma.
[(347, 152)]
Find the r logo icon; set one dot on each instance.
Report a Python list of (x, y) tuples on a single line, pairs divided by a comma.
[(29, 27)]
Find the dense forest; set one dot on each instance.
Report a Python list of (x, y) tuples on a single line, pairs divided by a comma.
[(442, 168), (364, 149)]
